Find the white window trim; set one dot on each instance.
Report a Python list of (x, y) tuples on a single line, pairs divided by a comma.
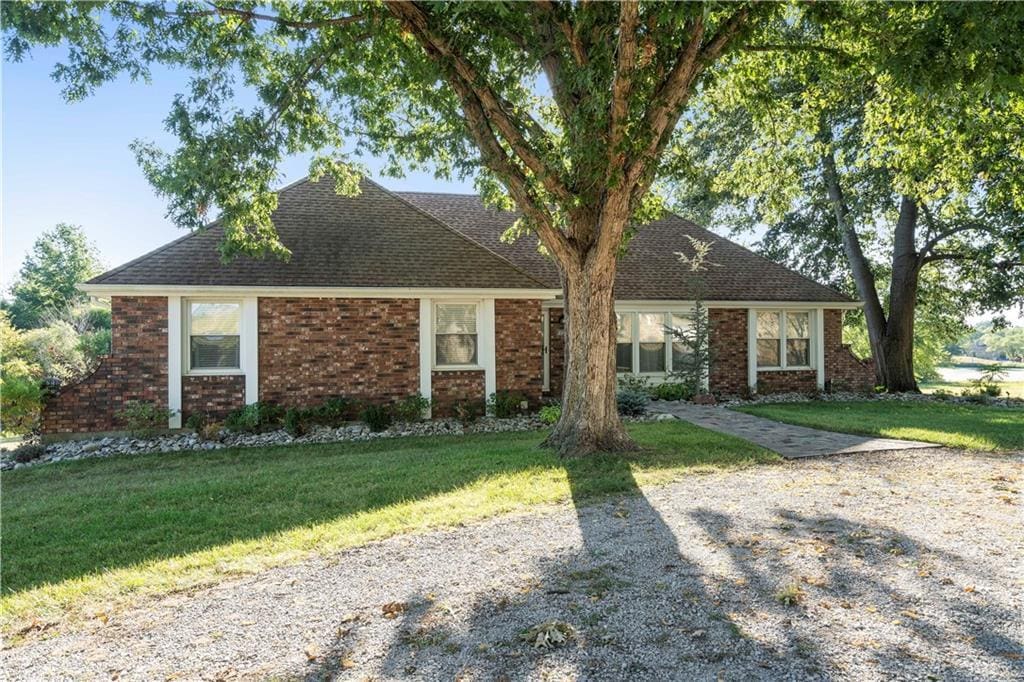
[(667, 315), (480, 336), (812, 328), (186, 342)]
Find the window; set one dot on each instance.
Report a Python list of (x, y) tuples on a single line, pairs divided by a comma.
[(455, 339), (784, 339), (652, 342), (681, 350), (214, 335), (798, 340), (624, 343), (769, 339)]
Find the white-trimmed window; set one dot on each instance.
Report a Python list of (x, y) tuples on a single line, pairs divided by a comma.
[(624, 343), (455, 335), (645, 344), (214, 336), (784, 339)]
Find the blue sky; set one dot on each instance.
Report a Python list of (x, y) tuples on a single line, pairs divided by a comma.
[(71, 162)]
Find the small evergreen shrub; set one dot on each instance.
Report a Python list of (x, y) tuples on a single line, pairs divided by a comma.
[(411, 409), (27, 452), (144, 419), (550, 414), (377, 417), (258, 417), (293, 421), (506, 404), (632, 402), (636, 383), (671, 391)]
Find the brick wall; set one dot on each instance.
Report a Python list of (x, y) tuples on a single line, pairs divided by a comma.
[(136, 369), (458, 386), (556, 351), (315, 348), (215, 396), (728, 347), (787, 381), (519, 347), (844, 371)]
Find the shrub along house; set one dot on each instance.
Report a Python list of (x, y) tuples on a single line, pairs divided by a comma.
[(388, 295)]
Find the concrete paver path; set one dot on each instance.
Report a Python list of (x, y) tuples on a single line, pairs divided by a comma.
[(788, 440)]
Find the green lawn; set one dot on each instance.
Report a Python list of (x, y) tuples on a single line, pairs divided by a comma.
[(1013, 389), (964, 426), (84, 536)]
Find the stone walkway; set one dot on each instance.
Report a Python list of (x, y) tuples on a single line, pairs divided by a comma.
[(788, 440)]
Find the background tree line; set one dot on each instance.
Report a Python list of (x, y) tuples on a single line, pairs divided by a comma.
[(49, 330)]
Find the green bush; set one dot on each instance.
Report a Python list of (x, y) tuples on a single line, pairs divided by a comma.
[(293, 421), (632, 402), (26, 452), (671, 391), (411, 409), (635, 382), (144, 419), (506, 404), (469, 411), (21, 399), (196, 421), (377, 417), (258, 417), (550, 414)]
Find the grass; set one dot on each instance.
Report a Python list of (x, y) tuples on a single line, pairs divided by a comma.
[(84, 537), (975, 427), (1014, 389)]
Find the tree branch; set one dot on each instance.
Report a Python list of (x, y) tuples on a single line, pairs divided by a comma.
[(579, 54), (250, 15), (622, 81), (459, 69)]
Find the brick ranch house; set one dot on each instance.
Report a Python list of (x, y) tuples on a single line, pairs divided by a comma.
[(391, 294)]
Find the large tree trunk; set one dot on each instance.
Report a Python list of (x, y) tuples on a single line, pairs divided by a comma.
[(897, 338), (892, 336), (590, 419)]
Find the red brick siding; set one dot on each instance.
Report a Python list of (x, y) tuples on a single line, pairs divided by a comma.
[(215, 396), (728, 348), (451, 388), (556, 351), (787, 381), (843, 370), (519, 347), (136, 369), (315, 348)]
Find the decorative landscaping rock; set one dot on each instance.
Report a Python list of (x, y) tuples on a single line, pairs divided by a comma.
[(71, 450)]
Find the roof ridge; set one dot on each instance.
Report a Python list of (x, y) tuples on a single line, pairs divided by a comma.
[(458, 232), (762, 257), (441, 194)]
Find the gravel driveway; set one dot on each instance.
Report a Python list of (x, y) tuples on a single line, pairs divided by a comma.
[(871, 566)]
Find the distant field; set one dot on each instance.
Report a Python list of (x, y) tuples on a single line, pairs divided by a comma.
[(968, 361)]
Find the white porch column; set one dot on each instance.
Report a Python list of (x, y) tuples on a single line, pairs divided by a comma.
[(174, 336), (819, 346), (487, 351), (752, 349), (251, 348), (426, 350)]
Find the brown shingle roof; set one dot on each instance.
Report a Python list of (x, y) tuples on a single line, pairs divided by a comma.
[(430, 240), (372, 240), (650, 270)]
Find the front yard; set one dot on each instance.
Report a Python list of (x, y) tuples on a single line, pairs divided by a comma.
[(974, 427), (81, 537)]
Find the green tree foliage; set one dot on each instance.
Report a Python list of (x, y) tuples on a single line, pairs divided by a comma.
[(1007, 343), (20, 394), (875, 159), (60, 260)]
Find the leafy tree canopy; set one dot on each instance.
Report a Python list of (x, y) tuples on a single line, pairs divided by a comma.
[(60, 260)]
